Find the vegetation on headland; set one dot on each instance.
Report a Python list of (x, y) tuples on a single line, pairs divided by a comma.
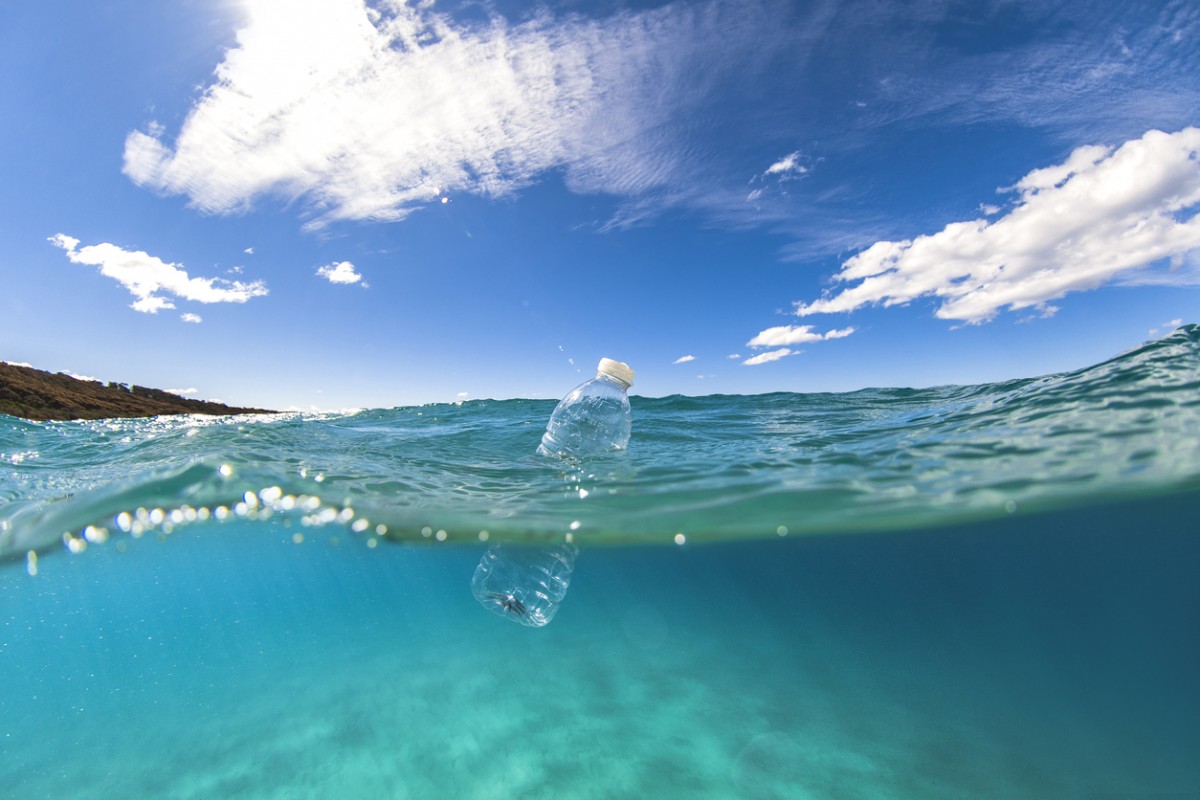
[(37, 395)]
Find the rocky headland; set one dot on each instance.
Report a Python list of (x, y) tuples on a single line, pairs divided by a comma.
[(37, 395)]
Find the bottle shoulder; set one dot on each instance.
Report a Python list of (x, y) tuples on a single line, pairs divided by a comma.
[(599, 387)]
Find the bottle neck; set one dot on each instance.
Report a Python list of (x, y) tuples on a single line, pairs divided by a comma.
[(604, 376)]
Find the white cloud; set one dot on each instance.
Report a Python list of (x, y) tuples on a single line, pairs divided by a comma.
[(183, 392), (249, 251), (683, 359), (794, 334), (68, 243), (17, 364), (1166, 327), (339, 272), (787, 165), (195, 319), (463, 395), (84, 377), (149, 279), (371, 112), (768, 357), (1101, 216)]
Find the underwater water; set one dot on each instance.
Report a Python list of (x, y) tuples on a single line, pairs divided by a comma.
[(985, 591)]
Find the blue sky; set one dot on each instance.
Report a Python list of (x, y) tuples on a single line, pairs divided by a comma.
[(334, 204)]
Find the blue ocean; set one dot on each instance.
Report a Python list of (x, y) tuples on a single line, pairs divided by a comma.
[(962, 592)]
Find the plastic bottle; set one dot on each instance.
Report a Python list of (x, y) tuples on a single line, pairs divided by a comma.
[(524, 583), (594, 417)]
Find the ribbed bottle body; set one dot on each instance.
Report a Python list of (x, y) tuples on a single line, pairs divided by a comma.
[(524, 583)]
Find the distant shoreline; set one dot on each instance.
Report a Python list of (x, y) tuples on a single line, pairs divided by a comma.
[(41, 396)]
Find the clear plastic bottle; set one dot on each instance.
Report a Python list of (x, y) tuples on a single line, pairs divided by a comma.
[(594, 417), (524, 583)]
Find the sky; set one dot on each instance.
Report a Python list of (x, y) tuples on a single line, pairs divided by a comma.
[(332, 204)]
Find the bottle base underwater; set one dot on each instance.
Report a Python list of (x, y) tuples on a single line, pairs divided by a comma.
[(524, 584)]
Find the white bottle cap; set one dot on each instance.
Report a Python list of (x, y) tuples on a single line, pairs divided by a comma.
[(619, 371)]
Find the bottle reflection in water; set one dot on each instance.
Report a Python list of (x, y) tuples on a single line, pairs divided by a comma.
[(524, 583)]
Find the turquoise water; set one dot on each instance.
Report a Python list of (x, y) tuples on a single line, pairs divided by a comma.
[(986, 591)]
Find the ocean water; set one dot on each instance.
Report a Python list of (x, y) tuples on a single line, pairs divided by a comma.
[(963, 592)]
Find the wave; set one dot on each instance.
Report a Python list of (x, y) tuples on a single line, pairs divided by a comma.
[(713, 467)]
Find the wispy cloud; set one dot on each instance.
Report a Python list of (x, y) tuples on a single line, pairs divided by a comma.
[(195, 319), (788, 165), (370, 112), (768, 357), (1103, 215), (151, 280), (1078, 71), (339, 272), (782, 335), (183, 392), (684, 359)]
